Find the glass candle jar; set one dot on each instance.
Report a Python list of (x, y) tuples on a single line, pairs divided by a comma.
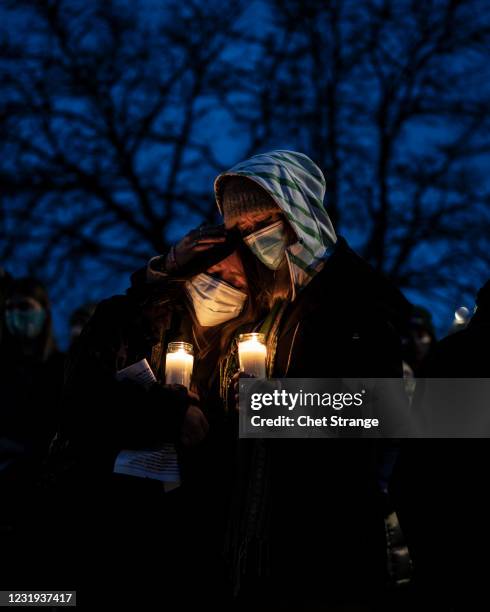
[(179, 363), (252, 353)]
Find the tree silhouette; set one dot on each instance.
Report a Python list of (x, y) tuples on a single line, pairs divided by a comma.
[(104, 122), (391, 99), (116, 116)]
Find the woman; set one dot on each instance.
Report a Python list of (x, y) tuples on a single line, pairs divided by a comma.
[(306, 515), (307, 524), (201, 297), (31, 381)]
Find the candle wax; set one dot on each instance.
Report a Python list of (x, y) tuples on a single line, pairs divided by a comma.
[(252, 356), (178, 368)]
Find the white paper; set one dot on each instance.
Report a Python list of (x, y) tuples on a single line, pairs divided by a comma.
[(161, 464), (139, 372)]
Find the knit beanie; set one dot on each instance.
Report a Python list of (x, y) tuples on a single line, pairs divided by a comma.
[(241, 195)]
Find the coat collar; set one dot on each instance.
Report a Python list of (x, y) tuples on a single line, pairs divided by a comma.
[(348, 283)]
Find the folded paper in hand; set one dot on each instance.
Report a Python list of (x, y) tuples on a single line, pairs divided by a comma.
[(139, 372), (160, 464)]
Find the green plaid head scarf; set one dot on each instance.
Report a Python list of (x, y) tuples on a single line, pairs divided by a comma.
[(297, 186)]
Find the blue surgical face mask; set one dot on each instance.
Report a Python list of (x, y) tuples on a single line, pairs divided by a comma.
[(269, 244), (25, 323)]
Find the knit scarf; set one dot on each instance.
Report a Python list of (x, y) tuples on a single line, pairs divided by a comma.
[(246, 546)]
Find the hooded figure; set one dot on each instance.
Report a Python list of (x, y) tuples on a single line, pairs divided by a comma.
[(307, 516), (296, 186), (320, 268)]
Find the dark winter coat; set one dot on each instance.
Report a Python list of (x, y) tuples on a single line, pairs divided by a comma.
[(127, 519), (30, 390), (326, 532), (104, 414), (440, 489), (111, 518)]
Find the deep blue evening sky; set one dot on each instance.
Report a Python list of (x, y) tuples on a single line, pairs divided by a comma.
[(228, 138)]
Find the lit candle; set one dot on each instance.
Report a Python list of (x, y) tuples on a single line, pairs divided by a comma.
[(179, 363), (252, 354)]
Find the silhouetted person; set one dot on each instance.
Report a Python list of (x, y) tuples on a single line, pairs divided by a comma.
[(306, 527), (162, 538), (441, 485), (419, 339), (79, 318), (31, 379)]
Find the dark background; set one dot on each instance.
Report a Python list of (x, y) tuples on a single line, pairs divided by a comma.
[(115, 117)]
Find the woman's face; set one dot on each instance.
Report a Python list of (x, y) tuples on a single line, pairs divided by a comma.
[(25, 317), (231, 271), (23, 302), (252, 222)]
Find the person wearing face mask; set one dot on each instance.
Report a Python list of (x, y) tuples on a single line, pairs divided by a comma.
[(326, 313), (316, 536), (32, 369), (217, 305), (31, 381), (200, 295)]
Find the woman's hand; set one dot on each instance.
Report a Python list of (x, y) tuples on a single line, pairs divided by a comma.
[(235, 383), (195, 427), (195, 242)]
